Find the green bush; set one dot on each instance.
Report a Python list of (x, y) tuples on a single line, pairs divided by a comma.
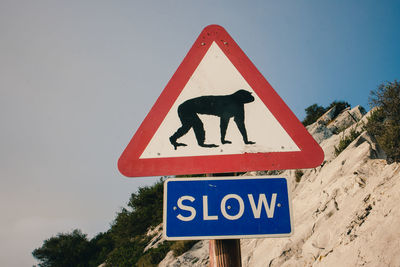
[(130, 225), (126, 254), (384, 122), (180, 247), (144, 210), (154, 256), (346, 141), (298, 174), (102, 244)]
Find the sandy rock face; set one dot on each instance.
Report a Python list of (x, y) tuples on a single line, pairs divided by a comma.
[(328, 125), (197, 256), (343, 215), (157, 237), (345, 119), (346, 212)]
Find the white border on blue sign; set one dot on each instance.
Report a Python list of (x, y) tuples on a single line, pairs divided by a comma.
[(224, 236)]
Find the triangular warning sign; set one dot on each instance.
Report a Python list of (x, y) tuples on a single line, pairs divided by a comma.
[(218, 114)]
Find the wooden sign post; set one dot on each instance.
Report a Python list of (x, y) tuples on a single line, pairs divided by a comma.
[(225, 253)]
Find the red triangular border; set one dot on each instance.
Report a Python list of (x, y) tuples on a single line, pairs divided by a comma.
[(310, 155)]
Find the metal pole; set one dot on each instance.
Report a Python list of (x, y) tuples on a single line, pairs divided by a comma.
[(226, 252)]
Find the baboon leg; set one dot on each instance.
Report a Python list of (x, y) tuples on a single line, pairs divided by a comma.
[(186, 117), (179, 133), (198, 129), (242, 129), (223, 125)]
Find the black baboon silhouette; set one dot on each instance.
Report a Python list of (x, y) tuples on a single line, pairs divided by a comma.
[(223, 106)]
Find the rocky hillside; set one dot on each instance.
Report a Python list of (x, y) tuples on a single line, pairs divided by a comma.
[(346, 211)]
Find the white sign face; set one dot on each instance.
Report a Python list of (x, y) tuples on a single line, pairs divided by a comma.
[(217, 76)]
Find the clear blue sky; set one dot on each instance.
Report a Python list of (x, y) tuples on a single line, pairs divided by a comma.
[(78, 77)]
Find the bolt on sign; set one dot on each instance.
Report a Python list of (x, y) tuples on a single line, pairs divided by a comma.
[(218, 114)]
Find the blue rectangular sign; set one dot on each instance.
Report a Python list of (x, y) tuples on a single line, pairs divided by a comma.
[(224, 208)]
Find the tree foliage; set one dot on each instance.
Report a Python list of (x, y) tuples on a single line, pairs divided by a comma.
[(153, 256), (127, 254), (315, 111), (102, 244), (65, 249), (339, 107), (122, 245), (130, 225), (346, 141), (384, 122), (145, 210)]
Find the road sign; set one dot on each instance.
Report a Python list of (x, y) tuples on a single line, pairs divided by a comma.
[(218, 114), (226, 208)]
